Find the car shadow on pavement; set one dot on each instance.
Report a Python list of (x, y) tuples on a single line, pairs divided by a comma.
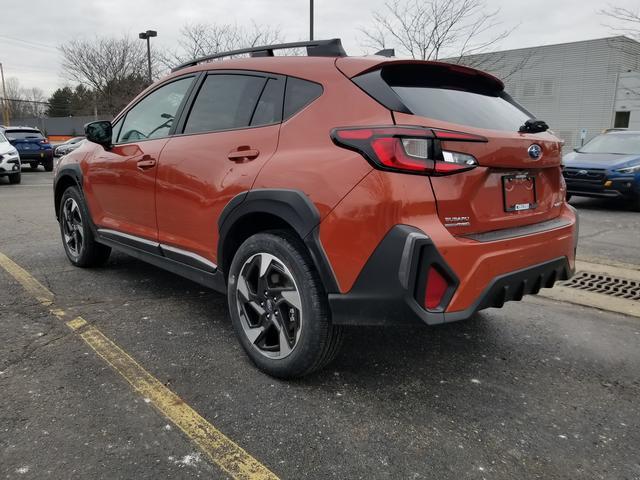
[(597, 204)]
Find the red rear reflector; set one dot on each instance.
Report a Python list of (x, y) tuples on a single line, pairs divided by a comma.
[(436, 288)]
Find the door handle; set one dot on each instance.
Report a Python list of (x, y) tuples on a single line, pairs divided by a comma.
[(147, 161), (242, 154)]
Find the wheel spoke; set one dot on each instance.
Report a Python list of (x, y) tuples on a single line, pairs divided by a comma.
[(285, 347), (292, 297), (255, 334)]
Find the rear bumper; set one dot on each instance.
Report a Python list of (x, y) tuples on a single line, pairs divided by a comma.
[(41, 155), (390, 288)]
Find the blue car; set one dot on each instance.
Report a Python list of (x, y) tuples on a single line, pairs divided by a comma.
[(33, 147), (608, 166)]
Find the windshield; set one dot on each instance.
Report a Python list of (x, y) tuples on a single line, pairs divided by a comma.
[(22, 134), (623, 144)]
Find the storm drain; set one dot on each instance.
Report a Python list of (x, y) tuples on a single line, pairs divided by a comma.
[(605, 284)]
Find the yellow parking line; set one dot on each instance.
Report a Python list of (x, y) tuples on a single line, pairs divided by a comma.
[(220, 449), (30, 284)]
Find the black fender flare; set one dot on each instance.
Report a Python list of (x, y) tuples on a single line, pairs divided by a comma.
[(291, 206), (70, 171)]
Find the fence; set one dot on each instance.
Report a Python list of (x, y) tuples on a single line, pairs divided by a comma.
[(58, 126)]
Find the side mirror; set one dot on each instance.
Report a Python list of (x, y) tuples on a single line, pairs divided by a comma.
[(99, 132)]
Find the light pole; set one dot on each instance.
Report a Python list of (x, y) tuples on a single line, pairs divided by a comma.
[(311, 20), (146, 36), (5, 102)]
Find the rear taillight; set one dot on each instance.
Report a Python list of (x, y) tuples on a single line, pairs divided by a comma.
[(408, 149), (435, 289), (44, 141)]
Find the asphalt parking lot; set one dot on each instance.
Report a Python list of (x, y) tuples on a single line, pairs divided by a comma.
[(538, 389)]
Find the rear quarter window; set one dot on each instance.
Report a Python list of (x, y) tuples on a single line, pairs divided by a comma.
[(299, 93), (22, 134)]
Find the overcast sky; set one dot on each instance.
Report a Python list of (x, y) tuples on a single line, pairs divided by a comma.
[(31, 31)]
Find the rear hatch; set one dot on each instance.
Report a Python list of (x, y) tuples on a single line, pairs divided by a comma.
[(27, 141), (517, 179)]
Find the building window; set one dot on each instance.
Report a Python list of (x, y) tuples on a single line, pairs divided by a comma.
[(621, 120)]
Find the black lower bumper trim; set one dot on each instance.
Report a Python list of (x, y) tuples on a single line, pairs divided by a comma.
[(390, 288)]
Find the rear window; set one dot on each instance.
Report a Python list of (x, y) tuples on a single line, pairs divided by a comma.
[(22, 134), (465, 108), (450, 93)]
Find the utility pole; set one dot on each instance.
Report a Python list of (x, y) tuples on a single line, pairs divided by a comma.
[(5, 102), (311, 20), (147, 36)]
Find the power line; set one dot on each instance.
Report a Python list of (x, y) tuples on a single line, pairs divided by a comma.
[(28, 42)]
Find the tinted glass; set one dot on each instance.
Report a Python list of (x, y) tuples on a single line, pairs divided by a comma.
[(622, 143), (462, 107), (269, 109), (22, 134), (299, 94), (153, 116), (224, 102)]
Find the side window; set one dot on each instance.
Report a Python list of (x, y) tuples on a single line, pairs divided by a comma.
[(153, 116), (299, 94), (224, 101), (269, 108)]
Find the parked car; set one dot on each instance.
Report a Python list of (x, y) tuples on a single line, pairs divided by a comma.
[(33, 146), (9, 161), (325, 191), (608, 166), (68, 146)]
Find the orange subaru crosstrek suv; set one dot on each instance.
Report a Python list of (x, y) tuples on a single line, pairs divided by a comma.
[(323, 190)]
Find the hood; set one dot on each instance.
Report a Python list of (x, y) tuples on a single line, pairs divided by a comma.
[(6, 147), (605, 161)]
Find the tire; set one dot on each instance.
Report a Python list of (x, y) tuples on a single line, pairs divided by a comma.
[(636, 203), (48, 165), (296, 299), (34, 166), (77, 237), (15, 178)]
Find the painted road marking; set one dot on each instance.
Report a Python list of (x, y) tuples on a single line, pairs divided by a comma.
[(220, 449)]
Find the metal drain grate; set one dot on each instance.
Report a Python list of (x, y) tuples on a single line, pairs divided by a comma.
[(605, 284)]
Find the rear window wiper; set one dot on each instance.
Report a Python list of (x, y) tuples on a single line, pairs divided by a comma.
[(534, 126)]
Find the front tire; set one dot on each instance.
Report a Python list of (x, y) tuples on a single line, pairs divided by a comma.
[(77, 237), (15, 178), (278, 306), (48, 165)]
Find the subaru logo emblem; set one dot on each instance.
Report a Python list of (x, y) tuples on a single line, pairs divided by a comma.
[(535, 151), (583, 172)]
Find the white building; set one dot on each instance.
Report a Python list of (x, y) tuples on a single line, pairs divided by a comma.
[(578, 88)]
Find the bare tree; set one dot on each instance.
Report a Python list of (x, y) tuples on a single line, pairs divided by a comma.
[(24, 102), (429, 30), (627, 21), (113, 68), (200, 39)]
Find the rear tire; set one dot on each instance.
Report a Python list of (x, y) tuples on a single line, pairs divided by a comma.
[(48, 165), (278, 306), (15, 178), (77, 237)]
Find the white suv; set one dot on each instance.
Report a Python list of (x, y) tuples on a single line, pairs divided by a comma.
[(9, 160)]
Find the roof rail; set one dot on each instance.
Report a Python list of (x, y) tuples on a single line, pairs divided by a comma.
[(315, 48)]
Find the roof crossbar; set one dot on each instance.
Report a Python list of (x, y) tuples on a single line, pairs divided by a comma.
[(315, 48)]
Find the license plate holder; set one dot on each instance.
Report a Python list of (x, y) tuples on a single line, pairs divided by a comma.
[(519, 192)]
